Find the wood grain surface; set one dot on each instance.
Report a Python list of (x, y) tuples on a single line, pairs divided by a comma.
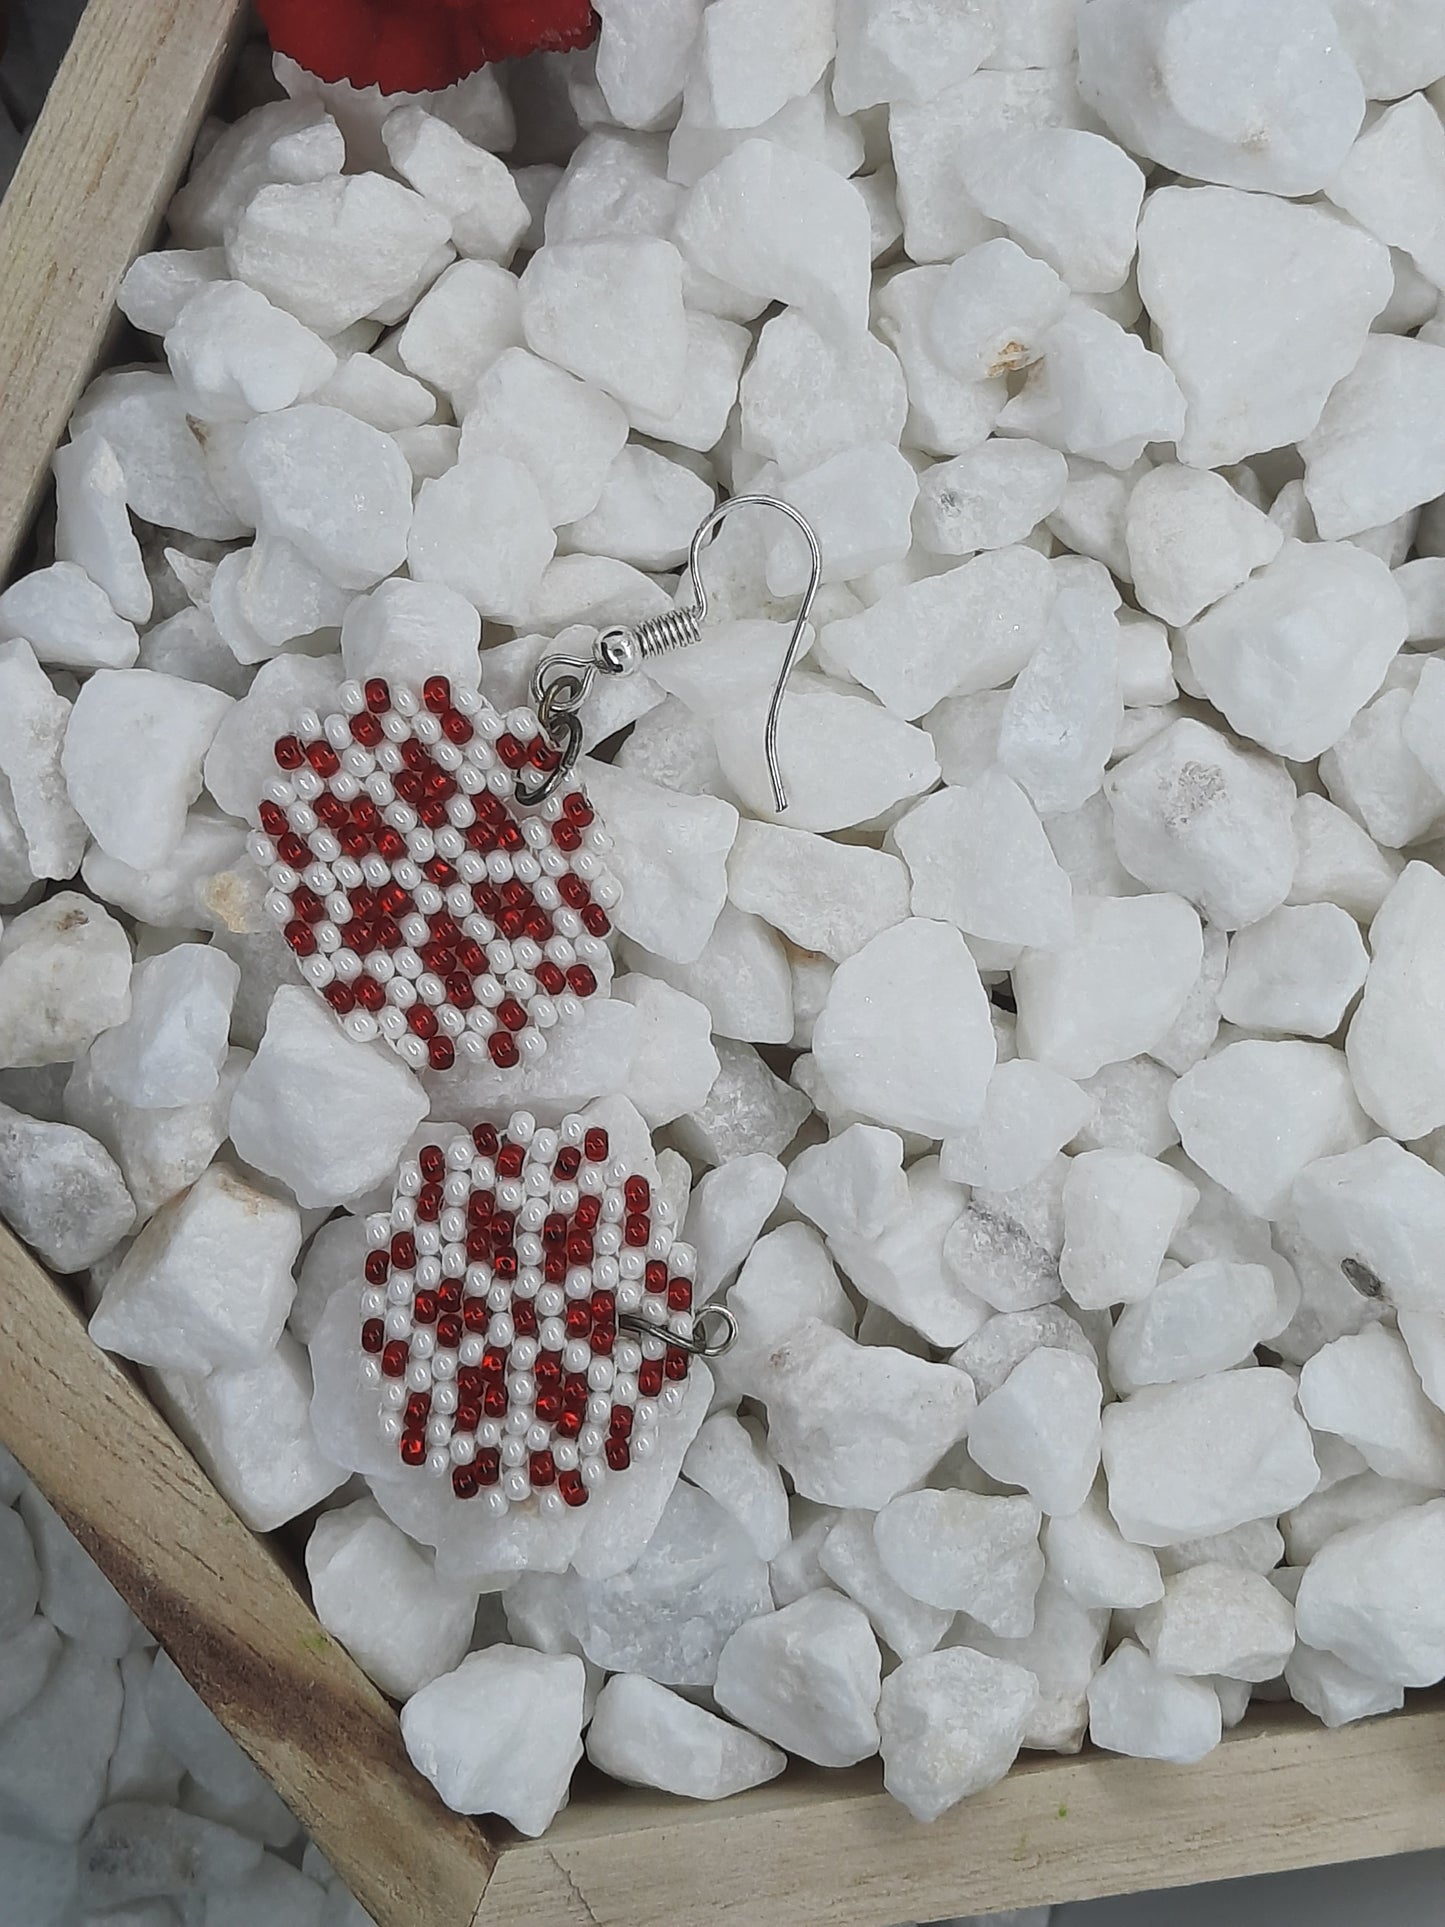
[(91, 185), (226, 1610)]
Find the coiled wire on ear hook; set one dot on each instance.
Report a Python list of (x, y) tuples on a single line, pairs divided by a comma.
[(560, 683)]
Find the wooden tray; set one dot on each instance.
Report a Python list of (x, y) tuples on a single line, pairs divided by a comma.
[(813, 1847)]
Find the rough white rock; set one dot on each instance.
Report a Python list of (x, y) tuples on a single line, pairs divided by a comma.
[(852, 1186), (1221, 93), (1219, 1619), (170, 1049), (611, 313), (859, 504), (909, 1268), (500, 1734), (54, 1753), (642, 56), (741, 974), (1091, 1561), (1205, 1318), (1291, 656), (132, 758), (1115, 989), (647, 512), (326, 1115), (1364, 1389), (904, 1035), (283, 140), (1040, 1429), (1186, 1461), (993, 495), (1397, 1066), (1096, 391), (979, 858), (141, 414), (674, 1065), (781, 226), (952, 1723), (1071, 198), (1063, 712), (807, 395), (482, 530), (332, 251), (1393, 183), (953, 634), (61, 1191), (787, 1279), (1257, 1112), (471, 187), (1135, 1707), (1373, 771), (93, 529), (644, 1735), (1194, 814), (823, 896), (1121, 1214), (234, 355), (1191, 539), (334, 487), (469, 317), (1297, 970), (1030, 1113), (155, 287), (402, 624), (1371, 1595), (1376, 1208), (853, 1425), (159, 1152), (849, 1557), (1375, 454), (964, 1552), (64, 977), (67, 619), (30, 762), (1261, 306), (992, 310), (670, 854), (729, 1461), (207, 1284), (807, 1677)]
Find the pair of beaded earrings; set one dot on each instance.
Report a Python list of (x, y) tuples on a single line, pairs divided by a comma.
[(527, 1312)]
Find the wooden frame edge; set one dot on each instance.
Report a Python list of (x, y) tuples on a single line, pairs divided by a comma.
[(1279, 1793), (84, 200), (225, 1609)]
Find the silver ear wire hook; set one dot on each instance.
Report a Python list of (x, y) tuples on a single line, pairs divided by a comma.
[(560, 683)]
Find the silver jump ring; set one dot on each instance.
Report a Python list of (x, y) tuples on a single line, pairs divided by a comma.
[(695, 1342)]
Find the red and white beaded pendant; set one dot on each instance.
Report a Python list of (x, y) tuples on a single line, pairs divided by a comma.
[(526, 1314), (425, 901)]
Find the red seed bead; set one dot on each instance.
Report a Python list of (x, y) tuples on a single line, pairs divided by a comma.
[(548, 1369), (422, 1019), (429, 1203), (637, 1230), (403, 1250), (413, 1448), (676, 1363), (366, 729), (549, 1407), (469, 1384), (489, 1465), (541, 754), (566, 835), (449, 1331), (551, 980), (307, 905), (474, 1315), (511, 922), (554, 1229), (510, 1159), (543, 1468), (596, 1144), (570, 1485), (273, 818), (390, 844), (369, 993), (512, 1014), (649, 1377), (524, 1318), (378, 1267), (569, 1423), (494, 1362), (288, 752), (595, 920), (487, 1140), (494, 1401), (414, 755), (589, 1210), (377, 693), (393, 1358), (322, 758), (573, 890), (373, 1335), (503, 1049), (465, 1483), (581, 981), (456, 728), (468, 1418), (301, 937), (569, 1162), (424, 1308), (433, 1162), (418, 1409), (579, 1248), (602, 1339), (294, 850), (637, 1193), (619, 1454), (512, 752), (471, 956), (655, 1275), (604, 1307), (449, 1294), (679, 1295), (341, 998), (620, 1424), (441, 1053), (554, 1266), (436, 693)]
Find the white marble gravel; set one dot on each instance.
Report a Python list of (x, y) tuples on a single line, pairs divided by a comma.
[(1054, 1092)]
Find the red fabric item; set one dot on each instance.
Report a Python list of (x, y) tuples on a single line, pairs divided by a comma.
[(414, 46)]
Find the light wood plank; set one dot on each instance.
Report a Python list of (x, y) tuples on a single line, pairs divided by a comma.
[(92, 182), (225, 1609), (1279, 1793)]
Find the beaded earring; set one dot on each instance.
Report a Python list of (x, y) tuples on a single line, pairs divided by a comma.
[(527, 1310), (440, 881)]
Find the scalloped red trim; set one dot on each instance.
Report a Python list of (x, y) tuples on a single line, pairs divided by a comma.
[(416, 46)]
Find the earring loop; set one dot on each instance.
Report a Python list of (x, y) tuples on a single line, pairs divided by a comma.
[(560, 683)]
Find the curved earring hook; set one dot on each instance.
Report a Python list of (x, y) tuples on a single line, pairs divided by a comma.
[(700, 540), (560, 683)]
